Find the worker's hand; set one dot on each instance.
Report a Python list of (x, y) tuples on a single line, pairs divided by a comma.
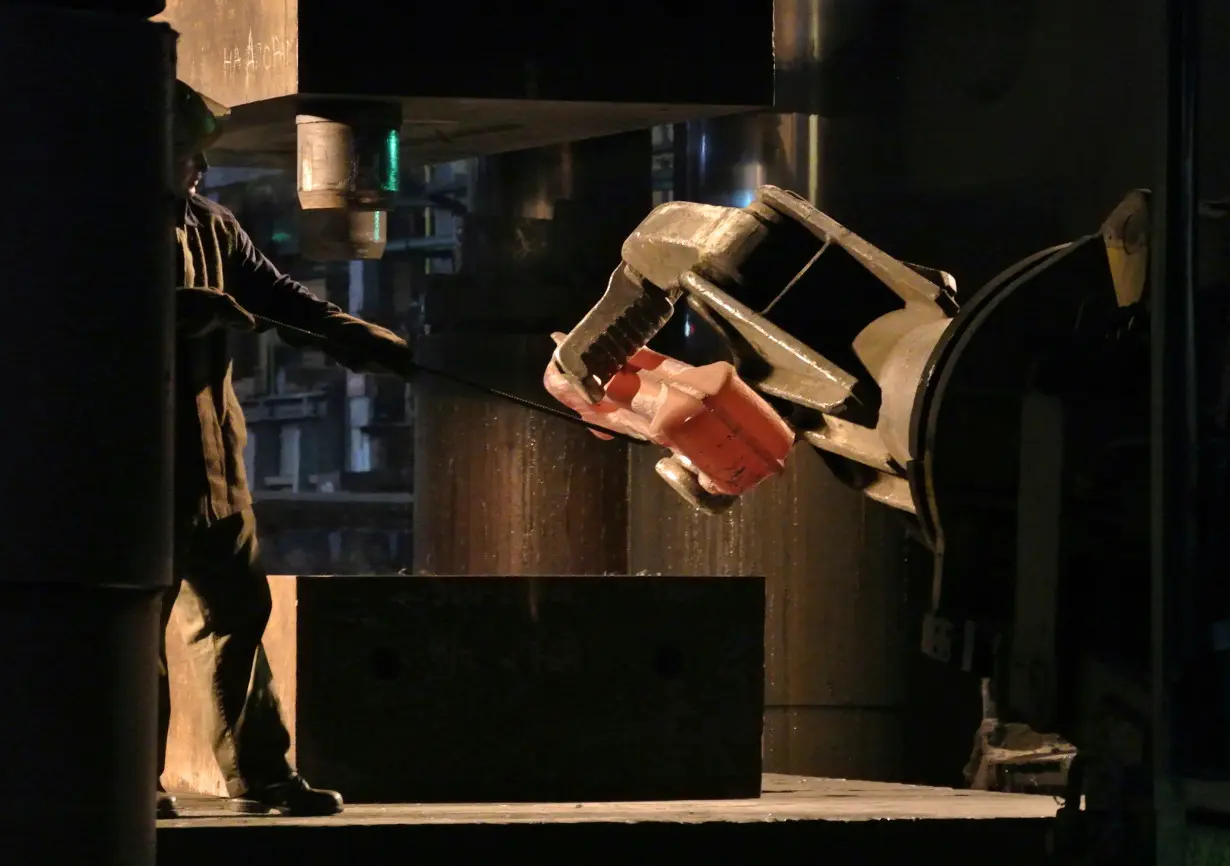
[(390, 353), (366, 348), (201, 311)]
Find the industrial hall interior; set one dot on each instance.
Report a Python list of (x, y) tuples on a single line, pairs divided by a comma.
[(743, 431)]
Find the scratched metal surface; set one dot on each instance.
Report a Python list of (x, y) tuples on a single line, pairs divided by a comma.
[(837, 652), (849, 693), (834, 567), (237, 52), (500, 489), (524, 91), (784, 798)]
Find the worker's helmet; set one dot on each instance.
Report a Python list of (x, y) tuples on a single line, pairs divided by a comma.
[(197, 121)]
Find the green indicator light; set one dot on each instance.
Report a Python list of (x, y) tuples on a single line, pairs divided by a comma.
[(392, 145)]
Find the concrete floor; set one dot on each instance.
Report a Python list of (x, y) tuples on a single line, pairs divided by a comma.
[(862, 823)]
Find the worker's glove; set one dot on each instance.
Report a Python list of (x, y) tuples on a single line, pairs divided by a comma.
[(390, 353), (367, 348), (201, 311)]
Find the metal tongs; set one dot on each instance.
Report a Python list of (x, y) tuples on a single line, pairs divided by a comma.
[(409, 374)]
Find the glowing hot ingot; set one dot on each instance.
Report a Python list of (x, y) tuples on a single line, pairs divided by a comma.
[(724, 438)]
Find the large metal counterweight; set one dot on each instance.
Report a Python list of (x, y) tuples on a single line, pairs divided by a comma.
[(87, 274)]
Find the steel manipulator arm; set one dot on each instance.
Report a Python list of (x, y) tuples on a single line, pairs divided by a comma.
[(993, 424), (848, 389), (855, 346)]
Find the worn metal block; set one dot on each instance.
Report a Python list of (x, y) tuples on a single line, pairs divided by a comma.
[(470, 82), (465, 689)]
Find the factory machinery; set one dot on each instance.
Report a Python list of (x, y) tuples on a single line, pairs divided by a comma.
[(1011, 422), (1042, 433)]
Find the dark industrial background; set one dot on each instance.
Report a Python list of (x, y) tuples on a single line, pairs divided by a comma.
[(963, 135)]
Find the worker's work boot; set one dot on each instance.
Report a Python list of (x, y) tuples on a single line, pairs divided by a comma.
[(294, 797), (167, 807)]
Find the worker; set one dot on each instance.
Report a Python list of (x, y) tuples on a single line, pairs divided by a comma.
[(219, 584)]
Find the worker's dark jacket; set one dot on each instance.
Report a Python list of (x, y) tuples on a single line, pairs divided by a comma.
[(215, 252)]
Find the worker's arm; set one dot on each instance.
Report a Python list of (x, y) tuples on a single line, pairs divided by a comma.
[(199, 311), (265, 292)]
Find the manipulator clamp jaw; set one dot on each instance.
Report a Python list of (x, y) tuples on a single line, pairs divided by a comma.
[(719, 260)]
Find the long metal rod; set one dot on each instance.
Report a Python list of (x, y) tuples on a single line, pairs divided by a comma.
[(474, 386), (1174, 422)]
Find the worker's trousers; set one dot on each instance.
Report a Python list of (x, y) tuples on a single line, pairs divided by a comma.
[(224, 604)]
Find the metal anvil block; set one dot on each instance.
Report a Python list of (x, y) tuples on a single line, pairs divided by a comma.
[(498, 689)]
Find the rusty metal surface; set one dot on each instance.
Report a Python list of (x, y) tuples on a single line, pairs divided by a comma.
[(506, 689), (835, 653), (835, 647), (237, 51), (500, 489), (864, 823), (848, 692), (534, 85), (795, 798), (254, 48)]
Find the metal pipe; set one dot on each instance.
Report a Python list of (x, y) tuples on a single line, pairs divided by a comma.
[(86, 270), (1174, 420), (347, 173)]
